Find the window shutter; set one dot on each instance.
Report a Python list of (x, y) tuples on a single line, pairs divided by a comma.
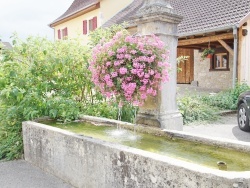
[(91, 25), (59, 34), (66, 31), (85, 31), (94, 23)]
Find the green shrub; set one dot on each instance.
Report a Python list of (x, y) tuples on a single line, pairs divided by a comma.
[(110, 110), (96, 36), (63, 109), (206, 107), (11, 142), (101, 109), (38, 78), (193, 109), (226, 100)]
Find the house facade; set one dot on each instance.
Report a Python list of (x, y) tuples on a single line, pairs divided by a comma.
[(84, 16), (219, 25)]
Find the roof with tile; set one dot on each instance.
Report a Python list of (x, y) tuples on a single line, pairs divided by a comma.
[(125, 14), (199, 15), (6, 45), (75, 7)]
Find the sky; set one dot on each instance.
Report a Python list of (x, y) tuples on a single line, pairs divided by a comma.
[(29, 17)]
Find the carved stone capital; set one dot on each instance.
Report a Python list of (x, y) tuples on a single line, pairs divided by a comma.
[(157, 10)]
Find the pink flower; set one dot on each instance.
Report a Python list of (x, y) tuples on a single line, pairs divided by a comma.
[(114, 74), (122, 50), (145, 81), (154, 93), (108, 63), (110, 83), (146, 76), (130, 68), (123, 70), (140, 74), (151, 72), (117, 63), (128, 56), (134, 71), (120, 56), (133, 52), (142, 88), (150, 91), (107, 77), (129, 79), (157, 76), (136, 103), (143, 96), (111, 53), (136, 65)]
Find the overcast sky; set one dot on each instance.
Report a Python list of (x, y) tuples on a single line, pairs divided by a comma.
[(29, 17)]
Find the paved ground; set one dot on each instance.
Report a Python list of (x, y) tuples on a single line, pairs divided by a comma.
[(226, 127), (187, 89), (20, 174)]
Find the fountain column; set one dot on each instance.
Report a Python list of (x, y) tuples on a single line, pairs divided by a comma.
[(159, 18)]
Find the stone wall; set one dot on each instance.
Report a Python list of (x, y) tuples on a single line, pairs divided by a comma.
[(90, 163), (211, 79)]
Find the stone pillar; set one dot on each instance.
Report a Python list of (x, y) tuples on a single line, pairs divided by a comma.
[(159, 18)]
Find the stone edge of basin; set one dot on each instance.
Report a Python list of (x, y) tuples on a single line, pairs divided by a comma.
[(223, 142), (177, 162)]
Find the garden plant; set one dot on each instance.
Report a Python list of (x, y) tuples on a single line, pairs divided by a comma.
[(57, 79)]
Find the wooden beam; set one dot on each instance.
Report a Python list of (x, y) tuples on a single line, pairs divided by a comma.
[(205, 39), (227, 47)]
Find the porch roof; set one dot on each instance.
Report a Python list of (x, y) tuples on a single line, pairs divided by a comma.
[(200, 16)]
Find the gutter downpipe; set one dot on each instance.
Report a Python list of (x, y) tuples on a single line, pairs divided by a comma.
[(235, 33)]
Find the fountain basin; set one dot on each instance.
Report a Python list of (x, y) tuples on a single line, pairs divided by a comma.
[(87, 162)]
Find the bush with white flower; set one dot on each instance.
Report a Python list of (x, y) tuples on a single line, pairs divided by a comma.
[(130, 68)]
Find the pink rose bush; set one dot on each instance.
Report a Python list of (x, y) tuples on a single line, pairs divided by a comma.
[(130, 68)]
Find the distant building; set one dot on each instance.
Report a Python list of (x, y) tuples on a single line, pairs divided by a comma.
[(84, 16), (5, 45)]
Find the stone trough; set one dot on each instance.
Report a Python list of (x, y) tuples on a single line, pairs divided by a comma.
[(86, 162)]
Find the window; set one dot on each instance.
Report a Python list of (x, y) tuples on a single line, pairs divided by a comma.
[(65, 33), (85, 29), (59, 34), (220, 61), (93, 24)]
